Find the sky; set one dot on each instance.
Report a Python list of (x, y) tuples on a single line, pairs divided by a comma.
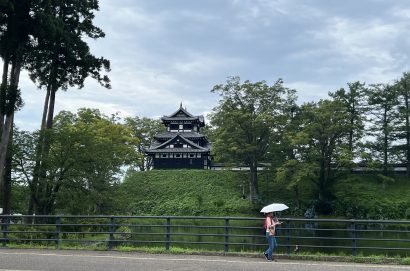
[(166, 52)]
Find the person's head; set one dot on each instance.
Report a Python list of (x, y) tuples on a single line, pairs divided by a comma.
[(269, 214)]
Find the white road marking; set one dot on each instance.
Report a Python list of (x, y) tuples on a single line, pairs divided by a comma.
[(369, 266)]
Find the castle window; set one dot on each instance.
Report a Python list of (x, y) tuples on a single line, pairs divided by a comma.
[(188, 127), (173, 127)]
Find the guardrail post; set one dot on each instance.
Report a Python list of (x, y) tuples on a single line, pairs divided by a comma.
[(226, 244), (57, 240), (4, 228), (354, 236), (168, 234), (288, 237), (112, 231)]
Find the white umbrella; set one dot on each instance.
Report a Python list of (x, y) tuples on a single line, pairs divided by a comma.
[(274, 207)]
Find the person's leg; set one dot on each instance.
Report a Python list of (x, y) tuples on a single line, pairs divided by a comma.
[(267, 251), (270, 249), (274, 246)]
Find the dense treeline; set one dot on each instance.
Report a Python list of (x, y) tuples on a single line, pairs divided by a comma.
[(75, 161), (316, 143), (85, 163), (361, 125)]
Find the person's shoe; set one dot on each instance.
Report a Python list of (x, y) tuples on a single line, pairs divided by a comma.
[(269, 260), (266, 256)]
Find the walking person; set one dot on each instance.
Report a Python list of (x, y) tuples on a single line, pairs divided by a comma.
[(270, 226)]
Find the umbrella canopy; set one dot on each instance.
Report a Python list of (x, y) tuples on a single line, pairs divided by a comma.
[(274, 207)]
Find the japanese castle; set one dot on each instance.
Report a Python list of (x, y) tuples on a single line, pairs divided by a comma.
[(182, 145)]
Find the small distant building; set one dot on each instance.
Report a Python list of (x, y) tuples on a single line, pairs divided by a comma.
[(182, 145)]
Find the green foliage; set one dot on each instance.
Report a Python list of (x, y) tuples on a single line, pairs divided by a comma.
[(63, 25), (247, 121), (376, 200), (83, 165), (383, 104), (183, 192), (318, 147), (144, 129), (353, 101)]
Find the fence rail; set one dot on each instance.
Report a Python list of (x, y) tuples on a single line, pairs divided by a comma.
[(208, 233)]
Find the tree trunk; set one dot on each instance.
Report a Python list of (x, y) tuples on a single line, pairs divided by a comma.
[(7, 179), (5, 138), (296, 190), (3, 92), (45, 109), (385, 143), (50, 115), (322, 173), (351, 136), (253, 182), (9, 118), (40, 182), (32, 206), (322, 180), (406, 100)]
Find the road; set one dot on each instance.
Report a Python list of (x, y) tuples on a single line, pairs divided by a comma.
[(66, 260)]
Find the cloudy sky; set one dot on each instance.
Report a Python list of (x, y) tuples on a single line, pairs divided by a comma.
[(165, 52)]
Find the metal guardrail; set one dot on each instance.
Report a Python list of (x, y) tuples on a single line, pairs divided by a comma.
[(208, 233)]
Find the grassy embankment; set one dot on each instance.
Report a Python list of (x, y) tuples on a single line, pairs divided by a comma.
[(219, 193)]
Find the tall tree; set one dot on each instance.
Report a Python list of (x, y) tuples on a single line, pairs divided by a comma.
[(354, 101), (283, 155), (318, 147), (382, 101), (403, 125), (62, 59), (245, 121), (61, 56), (16, 24)]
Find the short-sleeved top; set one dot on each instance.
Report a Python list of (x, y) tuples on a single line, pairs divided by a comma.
[(268, 222)]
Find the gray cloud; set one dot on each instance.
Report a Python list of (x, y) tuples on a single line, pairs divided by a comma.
[(166, 52)]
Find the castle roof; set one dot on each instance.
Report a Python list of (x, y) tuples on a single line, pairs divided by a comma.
[(183, 115), (162, 147)]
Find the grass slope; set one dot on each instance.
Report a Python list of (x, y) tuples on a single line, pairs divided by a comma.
[(184, 192), (369, 197), (219, 193)]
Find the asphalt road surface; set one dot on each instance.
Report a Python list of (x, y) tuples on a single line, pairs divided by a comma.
[(64, 260)]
